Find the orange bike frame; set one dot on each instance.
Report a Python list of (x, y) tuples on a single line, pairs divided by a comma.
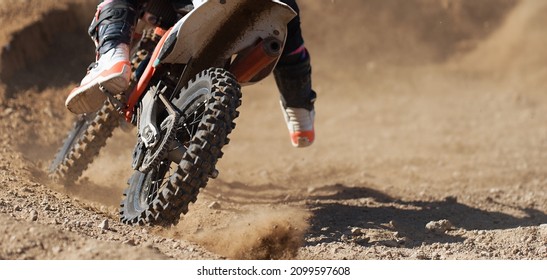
[(137, 92)]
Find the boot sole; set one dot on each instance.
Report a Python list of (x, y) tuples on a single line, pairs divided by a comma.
[(89, 98)]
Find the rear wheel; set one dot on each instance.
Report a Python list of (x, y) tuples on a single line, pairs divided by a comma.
[(208, 107), (83, 144)]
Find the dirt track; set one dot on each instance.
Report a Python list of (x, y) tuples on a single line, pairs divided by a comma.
[(428, 110)]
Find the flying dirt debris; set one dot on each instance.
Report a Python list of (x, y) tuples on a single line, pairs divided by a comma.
[(427, 111)]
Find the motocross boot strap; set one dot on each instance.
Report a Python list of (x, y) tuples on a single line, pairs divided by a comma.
[(113, 24), (294, 83)]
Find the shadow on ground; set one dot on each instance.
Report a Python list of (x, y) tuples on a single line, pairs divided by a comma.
[(370, 209), (337, 208)]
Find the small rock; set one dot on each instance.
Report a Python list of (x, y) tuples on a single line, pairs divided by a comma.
[(18, 208), (419, 256), (104, 224), (440, 226), (7, 112), (356, 231), (390, 243), (542, 251), (33, 216), (361, 240), (486, 254), (56, 249), (311, 189), (130, 242), (149, 244), (324, 229), (451, 199), (543, 229), (191, 249), (438, 256), (403, 240), (214, 205), (27, 189)]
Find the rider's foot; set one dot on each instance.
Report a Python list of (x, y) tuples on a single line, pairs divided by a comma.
[(112, 71), (293, 78), (300, 124)]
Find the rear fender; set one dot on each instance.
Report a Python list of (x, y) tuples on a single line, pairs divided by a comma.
[(215, 30), (211, 34)]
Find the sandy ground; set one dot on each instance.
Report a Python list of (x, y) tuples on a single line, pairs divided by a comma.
[(431, 143)]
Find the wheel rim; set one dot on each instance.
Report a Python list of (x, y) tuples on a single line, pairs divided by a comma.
[(152, 183), (207, 107), (191, 120)]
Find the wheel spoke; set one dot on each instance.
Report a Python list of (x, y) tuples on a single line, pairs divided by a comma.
[(191, 125), (158, 183), (156, 197)]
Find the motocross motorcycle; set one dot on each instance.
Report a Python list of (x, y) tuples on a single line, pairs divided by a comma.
[(183, 103)]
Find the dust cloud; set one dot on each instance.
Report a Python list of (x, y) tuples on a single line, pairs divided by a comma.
[(264, 233)]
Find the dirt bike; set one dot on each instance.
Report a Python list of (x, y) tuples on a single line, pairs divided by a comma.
[(184, 105)]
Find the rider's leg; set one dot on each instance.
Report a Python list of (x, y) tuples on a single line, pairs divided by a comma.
[(293, 78), (111, 30)]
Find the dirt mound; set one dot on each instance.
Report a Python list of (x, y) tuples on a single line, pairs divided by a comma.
[(33, 49)]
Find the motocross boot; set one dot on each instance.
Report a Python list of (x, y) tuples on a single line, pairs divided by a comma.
[(297, 99), (111, 30)]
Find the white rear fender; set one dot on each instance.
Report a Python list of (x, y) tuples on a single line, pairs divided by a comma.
[(217, 29)]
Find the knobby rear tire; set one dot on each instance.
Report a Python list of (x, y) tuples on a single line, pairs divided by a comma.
[(83, 144), (156, 199)]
